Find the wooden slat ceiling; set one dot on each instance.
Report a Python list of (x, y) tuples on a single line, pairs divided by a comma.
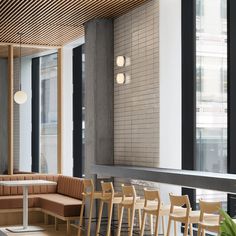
[(26, 51), (54, 22)]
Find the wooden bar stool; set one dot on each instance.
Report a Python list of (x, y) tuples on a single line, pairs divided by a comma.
[(151, 196), (154, 207), (88, 193), (210, 217), (184, 215), (107, 197), (131, 202)]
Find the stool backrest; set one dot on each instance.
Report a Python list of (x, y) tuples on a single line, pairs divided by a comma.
[(207, 207), (88, 187), (128, 192), (107, 189), (152, 196), (180, 201)]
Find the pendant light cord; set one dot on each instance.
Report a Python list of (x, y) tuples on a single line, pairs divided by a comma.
[(20, 63)]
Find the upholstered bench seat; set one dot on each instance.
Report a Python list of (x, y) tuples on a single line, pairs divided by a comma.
[(16, 201), (60, 204), (62, 201)]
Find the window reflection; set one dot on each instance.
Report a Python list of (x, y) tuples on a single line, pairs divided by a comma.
[(211, 90), (48, 101)]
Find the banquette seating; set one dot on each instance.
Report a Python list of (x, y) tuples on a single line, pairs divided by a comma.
[(63, 201)]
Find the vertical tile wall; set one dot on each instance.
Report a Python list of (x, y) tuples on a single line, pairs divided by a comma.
[(136, 104)]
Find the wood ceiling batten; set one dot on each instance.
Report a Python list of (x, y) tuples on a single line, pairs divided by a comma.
[(54, 22)]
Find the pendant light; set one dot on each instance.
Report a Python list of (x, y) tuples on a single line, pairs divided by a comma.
[(20, 96)]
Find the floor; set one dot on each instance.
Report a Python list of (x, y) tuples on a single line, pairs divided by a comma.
[(49, 231)]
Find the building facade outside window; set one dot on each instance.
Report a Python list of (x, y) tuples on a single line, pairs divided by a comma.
[(48, 114), (211, 90)]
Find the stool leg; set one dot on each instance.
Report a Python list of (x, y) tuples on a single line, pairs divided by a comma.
[(90, 215), (151, 223), (199, 230), (143, 223), (163, 225), (120, 220), (186, 229), (132, 222), (156, 226), (110, 208), (191, 229), (81, 216), (175, 228), (139, 218), (99, 218), (168, 227), (128, 215)]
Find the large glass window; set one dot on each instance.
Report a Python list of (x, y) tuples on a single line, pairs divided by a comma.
[(211, 89), (48, 114)]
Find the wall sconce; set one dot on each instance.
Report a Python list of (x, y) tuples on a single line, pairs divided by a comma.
[(120, 78), (120, 61)]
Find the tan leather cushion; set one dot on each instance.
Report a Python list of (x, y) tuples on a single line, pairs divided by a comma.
[(6, 191), (43, 188), (16, 201), (70, 186), (60, 204)]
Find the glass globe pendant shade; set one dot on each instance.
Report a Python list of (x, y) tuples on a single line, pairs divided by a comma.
[(20, 97)]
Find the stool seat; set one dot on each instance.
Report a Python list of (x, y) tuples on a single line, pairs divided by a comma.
[(139, 203), (180, 215), (210, 217)]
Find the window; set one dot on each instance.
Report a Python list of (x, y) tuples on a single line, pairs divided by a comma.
[(48, 111), (199, 15), (208, 106), (211, 118)]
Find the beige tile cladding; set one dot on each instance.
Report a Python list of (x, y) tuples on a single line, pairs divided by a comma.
[(136, 104)]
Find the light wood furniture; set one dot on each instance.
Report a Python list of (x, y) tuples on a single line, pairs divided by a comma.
[(185, 215), (131, 202), (107, 197), (88, 192), (154, 207), (210, 217), (25, 184), (151, 195)]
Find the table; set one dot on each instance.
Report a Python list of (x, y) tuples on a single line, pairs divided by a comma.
[(25, 184)]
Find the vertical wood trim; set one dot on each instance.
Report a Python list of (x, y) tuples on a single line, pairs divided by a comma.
[(10, 110), (59, 111)]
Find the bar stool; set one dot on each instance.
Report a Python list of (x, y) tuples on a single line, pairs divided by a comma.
[(154, 207), (131, 202), (186, 216), (88, 193), (210, 217), (107, 197), (151, 195)]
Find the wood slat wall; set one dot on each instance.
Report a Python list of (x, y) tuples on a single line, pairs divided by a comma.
[(54, 22)]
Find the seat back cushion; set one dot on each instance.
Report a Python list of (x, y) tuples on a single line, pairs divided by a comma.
[(6, 191), (70, 186)]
